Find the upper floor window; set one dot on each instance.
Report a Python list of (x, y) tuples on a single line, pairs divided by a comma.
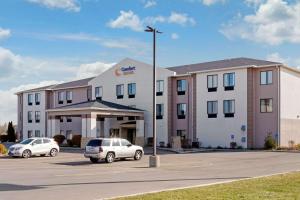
[(98, 92), (181, 87), (159, 87), (69, 119), (37, 116), (266, 105), (29, 116), (30, 99), (212, 109), (120, 91), (131, 90), (181, 110), (266, 78), (37, 133), (69, 95), (159, 111), (229, 81), (229, 108), (60, 97), (37, 98), (212, 83)]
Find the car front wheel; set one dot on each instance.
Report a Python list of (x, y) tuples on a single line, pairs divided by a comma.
[(53, 152), (138, 155), (110, 157), (26, 154), (94, 160)]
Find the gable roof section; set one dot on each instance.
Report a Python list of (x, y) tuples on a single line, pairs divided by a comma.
[(72, 84), (220, 64)]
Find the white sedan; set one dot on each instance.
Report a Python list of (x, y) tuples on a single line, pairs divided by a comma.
[(34, 146)]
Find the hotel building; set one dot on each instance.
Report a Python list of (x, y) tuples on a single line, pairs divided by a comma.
[(215, 103)]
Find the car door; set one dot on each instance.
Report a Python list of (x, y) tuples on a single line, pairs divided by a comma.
[(46, 145), (116, 147), (37, 146), (127, 148)]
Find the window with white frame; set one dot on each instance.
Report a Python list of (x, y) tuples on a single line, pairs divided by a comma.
[(98, 92), (29, 116), (229, 81), (181, 87), (37, 98), (212, 83), (37, 116), (212, 109), (131, 90), (30, 99), (69, 95), (229, 108), (266, 77), (159, 111), (60, 97), (159, 87), (181, 110), (266, 105), (120, 91)]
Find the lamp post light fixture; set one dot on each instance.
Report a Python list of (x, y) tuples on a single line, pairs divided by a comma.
[(154, 160)]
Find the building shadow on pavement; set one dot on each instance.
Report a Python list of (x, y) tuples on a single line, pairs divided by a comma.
[(13, 187)]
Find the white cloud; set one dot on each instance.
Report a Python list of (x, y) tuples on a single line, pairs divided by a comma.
[(127, 20), (150, 3), (276, 57), (274, 22), (8, 63), (93, 69), (181, 18), (254, 2), (211, 2), (69, 5), (174, 36), (4, 33)]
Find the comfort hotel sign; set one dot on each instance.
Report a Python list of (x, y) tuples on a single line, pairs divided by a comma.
[(125, 70)]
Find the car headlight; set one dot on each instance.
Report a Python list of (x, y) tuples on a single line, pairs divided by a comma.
[(18, 148)]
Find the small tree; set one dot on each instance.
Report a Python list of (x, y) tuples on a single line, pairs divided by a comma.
[(11, 134)]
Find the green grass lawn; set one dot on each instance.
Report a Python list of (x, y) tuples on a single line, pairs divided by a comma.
[(285, 187)]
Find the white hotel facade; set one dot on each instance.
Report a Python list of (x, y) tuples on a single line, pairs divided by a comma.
[(238, 100)]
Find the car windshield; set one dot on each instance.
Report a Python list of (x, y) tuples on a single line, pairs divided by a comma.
[(27, 141), (94, 143)]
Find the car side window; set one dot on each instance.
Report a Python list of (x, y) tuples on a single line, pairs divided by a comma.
[(115, 143), (124, 142), (46, 141), (38, 141), (105, 143)]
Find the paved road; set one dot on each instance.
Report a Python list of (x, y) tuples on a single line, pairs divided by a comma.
[(70, 176)]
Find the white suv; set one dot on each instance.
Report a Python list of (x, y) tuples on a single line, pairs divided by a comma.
[(34, 146), (109, 149)]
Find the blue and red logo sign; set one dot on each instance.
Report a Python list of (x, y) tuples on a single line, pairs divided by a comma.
[(125, 70)]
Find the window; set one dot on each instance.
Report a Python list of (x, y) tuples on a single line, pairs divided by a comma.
[(229, 108), (29, 116), (266, 105), (37, 116), (119, 118), (30, 99), (46, 141), (69, 134), (115, 142), (114, 132), (62, 132), (69, 119), (181, 87), (61, 119), (159, 111), (69, 95), (120, 91), (98, 93), (181, 134), (37, 98), (131, 118), (159, 88), (131, 90), (266, 78), (105, 143), (29, 134), (38, 141), (60, 97), (212, 83), (37, 133), (125, 142), (229, 81), (181, 110), (212, 109)]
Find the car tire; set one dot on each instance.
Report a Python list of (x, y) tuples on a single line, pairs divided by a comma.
[(26, 154), (94, 160), (110, 157), (53, 152), (138, 155)]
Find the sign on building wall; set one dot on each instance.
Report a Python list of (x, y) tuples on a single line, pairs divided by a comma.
[(125, 70)]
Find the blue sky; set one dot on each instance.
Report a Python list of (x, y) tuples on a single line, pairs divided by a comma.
[(47, 41)]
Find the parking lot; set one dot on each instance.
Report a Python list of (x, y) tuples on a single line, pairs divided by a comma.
[(71, 176)]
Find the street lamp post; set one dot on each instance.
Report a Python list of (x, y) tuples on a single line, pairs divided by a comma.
[(154, 160)]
